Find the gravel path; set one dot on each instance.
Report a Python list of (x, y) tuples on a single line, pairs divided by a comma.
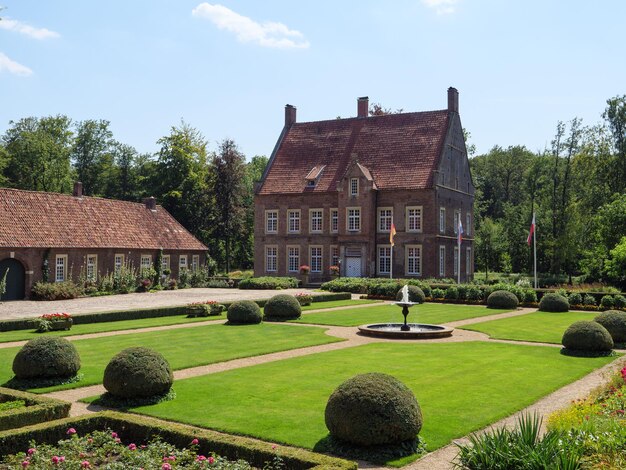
[(438, 460)]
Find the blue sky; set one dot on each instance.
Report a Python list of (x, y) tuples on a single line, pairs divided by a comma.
[(229, 68)]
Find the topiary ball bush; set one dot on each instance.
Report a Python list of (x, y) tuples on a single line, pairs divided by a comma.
[(244, 312), (282, 307), (502, 299), (415, 295), (138, 373), (615, 323), (373, 409), (587, 336), (553, 302), (46, 357)]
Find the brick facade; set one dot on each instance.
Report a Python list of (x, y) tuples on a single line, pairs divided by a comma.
[(379, 181)]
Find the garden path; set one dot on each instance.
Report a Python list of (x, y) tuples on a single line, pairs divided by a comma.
[(438, 460)]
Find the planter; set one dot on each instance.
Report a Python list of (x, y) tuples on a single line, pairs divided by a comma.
[(305, 279), (58, 325)]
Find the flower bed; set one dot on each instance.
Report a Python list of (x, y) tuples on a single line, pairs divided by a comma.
[(54, 322)]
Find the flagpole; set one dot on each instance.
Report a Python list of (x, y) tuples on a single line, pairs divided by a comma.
[(535, 249)]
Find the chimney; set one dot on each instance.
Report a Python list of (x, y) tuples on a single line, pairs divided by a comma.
[(150, 203), (290, 115), (362, 107), (78, 189), (453, 99)]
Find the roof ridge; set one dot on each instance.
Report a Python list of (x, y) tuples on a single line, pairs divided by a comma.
[(356, 118)]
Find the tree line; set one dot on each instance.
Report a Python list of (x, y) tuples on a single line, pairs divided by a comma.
[(577, 189), (209, 192)]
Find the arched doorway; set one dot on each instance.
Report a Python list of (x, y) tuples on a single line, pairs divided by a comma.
[(15, 279)]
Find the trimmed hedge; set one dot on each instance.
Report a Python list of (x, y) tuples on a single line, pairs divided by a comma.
[(46, 357), (138, 373), (38, 409), (244, 312), (587, 336), (502, 299), (415, 295), (269, 282), (282, 307), (141, 429), (553, 302), (615, 323)]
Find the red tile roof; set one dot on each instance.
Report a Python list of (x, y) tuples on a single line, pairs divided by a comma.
[(400, 150), (36, 219)]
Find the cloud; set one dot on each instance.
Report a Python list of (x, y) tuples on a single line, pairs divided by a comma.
[(441, 7), (26, 29), (13, 67), (268, 34)]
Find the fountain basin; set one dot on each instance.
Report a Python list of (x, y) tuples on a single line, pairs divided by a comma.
[(416, 331)]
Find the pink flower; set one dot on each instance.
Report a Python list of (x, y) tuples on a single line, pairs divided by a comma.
[(118, 440), (132, 446), (71, 431), (166, 466), (113, 435), (31, 451), (194, 442), (90, 440), (85, 464), (211, 460), (55, 459), (273, 446), (25, 463), (200, 458)]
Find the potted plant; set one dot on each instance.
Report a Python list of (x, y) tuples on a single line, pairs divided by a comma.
[(304, 298), (54, 322), (334, 271), (304, 272)]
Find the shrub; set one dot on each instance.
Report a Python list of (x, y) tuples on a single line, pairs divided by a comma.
[(198, 309), (474, 293), (373, 409), (217, 284), (55, 290), (619, 301), (269, 282), (356, 285), (46, 357), (607, 302), (282, 307), (587, 336), (138, 373), (502, 299), (452, 293), (530, 296), (553, 302), (462, 291), (575, 298), (244, 312), (304, 299), (615, 323), (415, 295), (589, 300), (438, 293)]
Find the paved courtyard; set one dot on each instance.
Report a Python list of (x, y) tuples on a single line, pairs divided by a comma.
[(33, 308)]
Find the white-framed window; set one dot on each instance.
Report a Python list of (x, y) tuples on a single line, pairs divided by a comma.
[(165, 262), (92, 267), (334, 220), (293, 259), (385, 217), (315, 220), (457, 215), (353, 219), (354, 186), (271, 221), (413, 261), (414, 218), (271, 259), (293, 221), (456, 260), (118, 261), (315, 255), (442, 261), (195, 262), (182, 262), (442, 219), (146, 261), (384, 259), (468, 224), (60, 268), (468, 261), (334, 255)]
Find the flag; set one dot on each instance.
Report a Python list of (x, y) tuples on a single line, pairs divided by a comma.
[(392, 233), (532, 231), (460, 234)]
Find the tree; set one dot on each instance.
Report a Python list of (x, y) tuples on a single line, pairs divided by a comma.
[(615, 115), (616, 264), (229, 189), (39, 153), (91, 145), (123, 181), (489, 246)]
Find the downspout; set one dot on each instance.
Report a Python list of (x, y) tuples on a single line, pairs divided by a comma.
[(376, 233)]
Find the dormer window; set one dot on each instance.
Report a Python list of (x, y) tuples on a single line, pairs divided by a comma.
[(314, 175), (354, 186)]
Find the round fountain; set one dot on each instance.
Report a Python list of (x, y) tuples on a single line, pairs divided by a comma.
[(406, 330)]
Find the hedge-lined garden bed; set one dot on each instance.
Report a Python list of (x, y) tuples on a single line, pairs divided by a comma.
[(37, 409), (140, 430)]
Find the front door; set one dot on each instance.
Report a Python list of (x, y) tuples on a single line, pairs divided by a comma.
[(353, 267), (15, 279)]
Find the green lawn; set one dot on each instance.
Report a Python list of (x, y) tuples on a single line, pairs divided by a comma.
[(541, 327), (424, 313), (183, 348), (339, 303), (461, 387)]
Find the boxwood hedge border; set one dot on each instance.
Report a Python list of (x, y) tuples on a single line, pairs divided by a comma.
[(38, 409)]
